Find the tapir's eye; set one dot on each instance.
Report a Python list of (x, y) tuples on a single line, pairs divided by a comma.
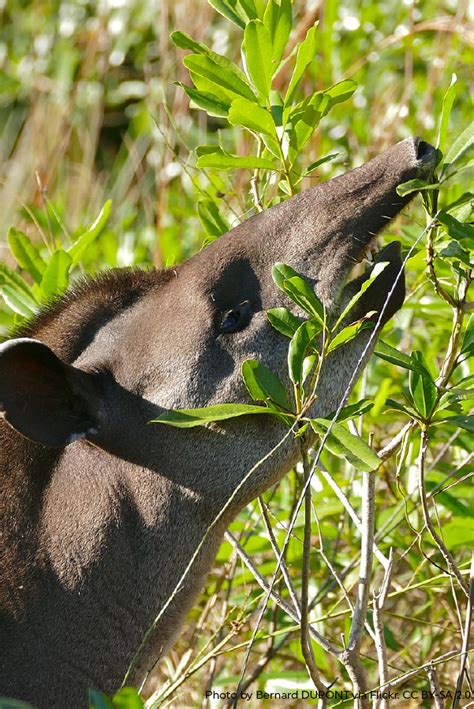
[(236, 319)]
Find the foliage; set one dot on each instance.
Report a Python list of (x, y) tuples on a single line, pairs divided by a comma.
[(90, 111)]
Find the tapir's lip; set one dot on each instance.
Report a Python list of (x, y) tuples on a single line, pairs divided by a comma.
[(389, 285)]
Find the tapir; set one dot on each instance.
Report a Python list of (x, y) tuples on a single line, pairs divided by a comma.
[(102, 511)]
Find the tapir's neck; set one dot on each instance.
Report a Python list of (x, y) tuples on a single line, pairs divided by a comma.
[(105, 563)]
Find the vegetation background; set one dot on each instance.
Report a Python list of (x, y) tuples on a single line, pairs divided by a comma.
[(90, 111)]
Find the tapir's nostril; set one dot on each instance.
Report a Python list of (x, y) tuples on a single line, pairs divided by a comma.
[(424, 151)]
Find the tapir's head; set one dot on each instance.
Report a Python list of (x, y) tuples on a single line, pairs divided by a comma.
[(178, 341)]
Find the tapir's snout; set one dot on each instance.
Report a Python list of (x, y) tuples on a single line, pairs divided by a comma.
[(409, 159), (425, 154)]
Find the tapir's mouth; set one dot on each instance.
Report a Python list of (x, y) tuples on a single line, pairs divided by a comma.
[(386, 294)]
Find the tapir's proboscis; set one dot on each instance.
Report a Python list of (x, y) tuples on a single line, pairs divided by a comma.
[(102, 511)]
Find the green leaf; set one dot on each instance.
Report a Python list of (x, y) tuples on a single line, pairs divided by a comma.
[(422, 387), (457, 230), (466, 198), (318, 163), (87, 237), (56, 274), (127, 698), (466, 422), (303, 295), (248, 6), (304, 56), (225, 161), (281, 272), (226, 10), (348, 446), (218, 75), (263, 384), (468, 339), (390, 354), (448, 100), (408, 410), (211, 219), (251, 116), (189, 418), (375, 273), (416, 185), (348, 334), (453, 251), (298, 347), (258, 53), (462, 143), (184, 41), (458, 533), (338, 93), (278, 20), (206, 102), (26, 254), (353, 410), (284, 321), (16, 292)]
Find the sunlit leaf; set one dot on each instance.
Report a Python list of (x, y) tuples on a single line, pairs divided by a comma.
[(390, 354), (211, 219), (56, 274), (206, 101), (298, 349), (284, 321), (225, 161), (416, 185), (258, 53), (422, 387), (349, 333), (227, 11), (184, 41), (346, 445), (303, 295), (218, 74), (448, 100), (88, 237), (189, 418), (304, 56), (16, 292), (278, 20), (26, 254), (281, 272), (263, 384), (462, 143), (255, 118), (127, 698), (321, 161)]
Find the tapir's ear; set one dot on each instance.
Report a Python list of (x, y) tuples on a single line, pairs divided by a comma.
[(43, 398)]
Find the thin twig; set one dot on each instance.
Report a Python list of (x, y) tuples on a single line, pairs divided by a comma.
[(452, 567), (276, 551), (348, 507), (466, 635), (325, 644), (434, 687), (379, 600), (306, 648), (351, 656)]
